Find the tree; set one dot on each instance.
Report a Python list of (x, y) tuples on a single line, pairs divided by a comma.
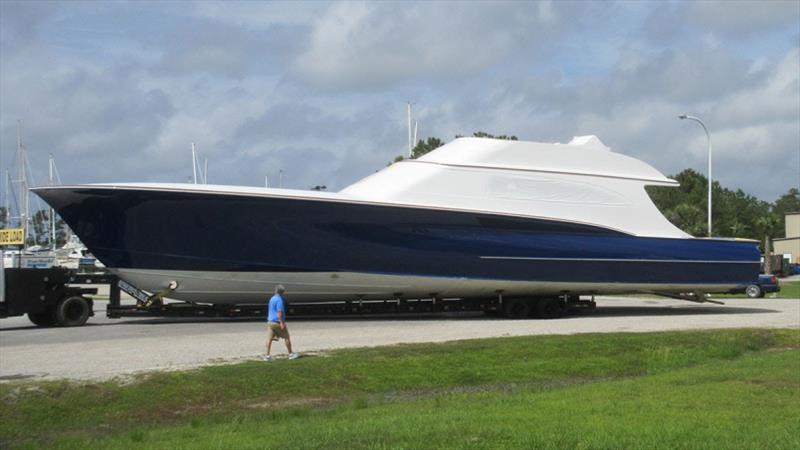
[(483, 134), (432, 143), (41, 226), (685, 205), (427, 146), (788, 202), (689, 218), (40, 222), (735, 213)]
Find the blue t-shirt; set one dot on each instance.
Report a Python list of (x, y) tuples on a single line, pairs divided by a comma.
[(275, 305)]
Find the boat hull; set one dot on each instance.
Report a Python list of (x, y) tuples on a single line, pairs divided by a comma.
[(255, 287), (232, 248)]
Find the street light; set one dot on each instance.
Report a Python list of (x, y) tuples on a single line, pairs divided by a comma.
[(697, 119)]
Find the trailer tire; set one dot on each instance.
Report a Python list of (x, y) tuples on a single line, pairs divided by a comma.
[(517, 308), (73, 311), (754, 291), (549, 308), (44, 319)]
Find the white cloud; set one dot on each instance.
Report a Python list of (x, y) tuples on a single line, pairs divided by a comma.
[(775, 99), (359, 45), (547, 13), (257, 14), (257, 86), (742, 16)]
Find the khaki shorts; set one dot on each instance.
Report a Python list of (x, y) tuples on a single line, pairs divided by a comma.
[(274, 331)]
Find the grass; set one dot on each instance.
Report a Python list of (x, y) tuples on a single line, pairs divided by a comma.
[(710, 389)]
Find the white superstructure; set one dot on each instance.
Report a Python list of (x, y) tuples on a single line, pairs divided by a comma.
[(582, 182)]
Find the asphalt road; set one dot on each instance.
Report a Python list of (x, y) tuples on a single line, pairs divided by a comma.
[(123, 348)]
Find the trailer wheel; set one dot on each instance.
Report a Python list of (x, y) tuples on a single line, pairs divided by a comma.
[(45, 319), (73, 311), (754, 291), (549, 308), (517, 308)]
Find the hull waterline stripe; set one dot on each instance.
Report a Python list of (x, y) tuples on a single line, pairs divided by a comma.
[(533, 258)]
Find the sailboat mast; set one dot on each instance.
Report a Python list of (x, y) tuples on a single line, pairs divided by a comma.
[(52, 211), (23, 185), (194, 164), (409, 130), (415, 135), (8, 200)]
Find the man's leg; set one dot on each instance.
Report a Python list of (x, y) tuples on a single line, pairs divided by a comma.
[(269, 340), (288, 342)]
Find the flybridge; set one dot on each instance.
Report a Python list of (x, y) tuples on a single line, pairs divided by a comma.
[(581, 182), (583, 155)]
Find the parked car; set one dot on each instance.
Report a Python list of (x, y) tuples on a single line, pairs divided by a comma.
[(765, 283)]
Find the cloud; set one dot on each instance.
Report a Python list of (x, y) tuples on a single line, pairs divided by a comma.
[(21, 20), (85, 116), (753, 115), (357, 45), (206, 48), (257, 15), (774, 99), (741, 18), (118, 91)]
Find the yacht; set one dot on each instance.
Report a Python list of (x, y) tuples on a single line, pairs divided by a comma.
[(470, 219)]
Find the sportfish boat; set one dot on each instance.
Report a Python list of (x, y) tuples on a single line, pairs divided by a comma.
[(473, 218)]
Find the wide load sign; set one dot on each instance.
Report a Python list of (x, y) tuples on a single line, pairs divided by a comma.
[(12, 236)]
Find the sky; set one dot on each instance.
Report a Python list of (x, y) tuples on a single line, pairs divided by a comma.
[(118, 91)]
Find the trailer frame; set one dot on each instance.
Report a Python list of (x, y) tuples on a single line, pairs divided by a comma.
[(50, 298)]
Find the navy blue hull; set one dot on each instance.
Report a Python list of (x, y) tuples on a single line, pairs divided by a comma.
[(194, 231)]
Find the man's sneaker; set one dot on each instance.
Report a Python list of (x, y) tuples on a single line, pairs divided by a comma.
[(267, 358), (294, 355)]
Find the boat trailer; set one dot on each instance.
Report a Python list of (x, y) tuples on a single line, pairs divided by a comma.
[(63, 297)]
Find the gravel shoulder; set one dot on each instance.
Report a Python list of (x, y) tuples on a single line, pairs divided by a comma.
[(109, 348)]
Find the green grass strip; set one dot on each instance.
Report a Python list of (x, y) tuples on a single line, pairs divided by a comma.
[(747, 403), (325, 391)]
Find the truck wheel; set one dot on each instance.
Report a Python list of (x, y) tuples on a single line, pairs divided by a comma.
[(73, 312), (549, 308), (45, 319), (516, 308), (754, 291)]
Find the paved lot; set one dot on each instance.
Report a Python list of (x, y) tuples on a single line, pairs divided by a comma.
[(107, 348)]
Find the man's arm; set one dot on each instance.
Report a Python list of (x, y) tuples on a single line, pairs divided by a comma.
[(280, 319)]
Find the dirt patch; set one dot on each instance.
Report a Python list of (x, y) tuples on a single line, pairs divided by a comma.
[(288, 403)]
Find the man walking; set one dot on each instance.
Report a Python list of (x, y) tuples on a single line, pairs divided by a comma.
[(276, 323)]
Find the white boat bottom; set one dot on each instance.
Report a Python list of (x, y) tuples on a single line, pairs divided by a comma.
[(255, 287)]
